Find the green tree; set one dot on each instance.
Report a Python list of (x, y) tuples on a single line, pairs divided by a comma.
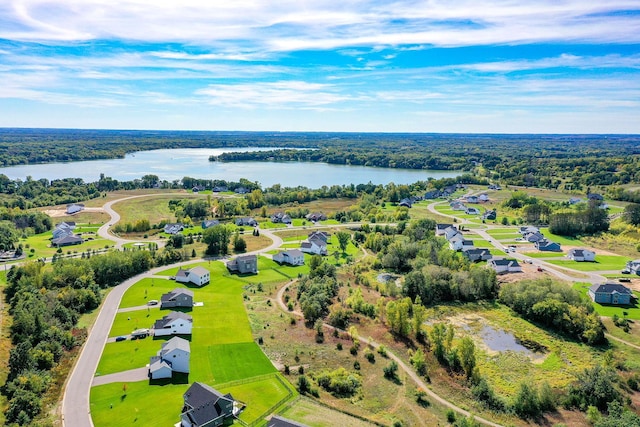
[(526, 403), (343, 240), (632, 214), (8, 235), (467, 353), (217, 239)]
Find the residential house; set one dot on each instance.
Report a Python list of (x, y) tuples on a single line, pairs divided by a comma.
[(611, 293), (74, 208), (406, 203), (477, 254), (280, 217), (503, 265), (219, 189), (457, 206), (450, 232), (242, 190), (483, 198), (489, 215), (472, 199), (179, 297), (575, 200), (529, 229), (197, 188), (278, 421), (547, 246), (316, 216), (174, 323), (291, 257), (246, 221), (595, 196), (634, 266), (472, 211), (63, 229), (459, 243), (581, 255), (494, 187), (208, 223), (205, 406), (173, 228), (243, 264), (66, 241), (434, 194), (534, 237), (322, 235), (440, 228), (314, 246), (174, 353), (199, 276)]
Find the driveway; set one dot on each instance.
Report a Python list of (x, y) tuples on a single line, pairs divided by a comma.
[(130, 376)]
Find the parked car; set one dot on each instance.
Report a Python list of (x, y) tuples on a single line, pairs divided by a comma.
[(540, 269), (152, 302), (626, 271), (624, 279), (121, 338), (528, 261)]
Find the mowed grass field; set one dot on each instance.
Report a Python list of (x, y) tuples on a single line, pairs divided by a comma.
[(602, 263), (154, 208), (222, 351)]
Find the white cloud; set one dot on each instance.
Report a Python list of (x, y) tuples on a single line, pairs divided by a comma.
[(254, 25)]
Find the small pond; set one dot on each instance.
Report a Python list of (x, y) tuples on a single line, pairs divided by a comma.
[(499, 340)]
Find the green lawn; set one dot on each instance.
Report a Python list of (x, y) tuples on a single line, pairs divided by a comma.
[(147, 289), (602, 262), (110, 406), (125, 323), (498, 231), (233, 361), (129, 354), (609, 310), (262, 394), (563, 240), (505, 236), (41, 243), (539, 254)]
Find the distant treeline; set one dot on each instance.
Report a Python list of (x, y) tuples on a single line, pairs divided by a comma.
[(550, 161)]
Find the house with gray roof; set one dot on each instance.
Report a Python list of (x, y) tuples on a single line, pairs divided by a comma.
[(503, 265), (179, 297), (174, 353), (316, 216), (407, 203), (246, 221), (173, 228), (174, 323), (534, 237), (280, 217), (208, 223), (440, 228), (67, 240), (611, 293), (581, 255), (489, 215), (548, 246), (291, 257), (634, 266), (244, 264), (74, 208), (314, 247), (205, 406), (321, 235), (477, 254), (198, 276)]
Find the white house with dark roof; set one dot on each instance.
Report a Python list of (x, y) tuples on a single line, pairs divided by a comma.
[(205, 406), (176, 353), (246, 221), (527, 229), (179, 297), (472, 211), (503, 265), (199, 276), (291, 257), (440, 228), (450, 233), (581, 255), (459, 243), (208, 223), (322, 235), (477, 254), (634, 266), (174, 323), (314, 247)]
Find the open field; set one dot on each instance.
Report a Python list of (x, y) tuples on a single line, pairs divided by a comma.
[(145, 290), (313, 414), (263, 394), (602, 263), (154, 208), (632, 312), (538, 254)]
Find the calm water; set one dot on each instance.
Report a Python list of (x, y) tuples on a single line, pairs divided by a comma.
[(175, 164)]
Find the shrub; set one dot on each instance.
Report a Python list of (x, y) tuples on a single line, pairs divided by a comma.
[(391, 371)]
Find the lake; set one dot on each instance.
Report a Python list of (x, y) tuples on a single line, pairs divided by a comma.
[(175, 164)]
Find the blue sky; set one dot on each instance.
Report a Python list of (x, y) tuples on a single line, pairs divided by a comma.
[(498, 66)]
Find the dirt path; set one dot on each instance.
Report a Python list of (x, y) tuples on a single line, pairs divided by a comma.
[(408, 371)]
